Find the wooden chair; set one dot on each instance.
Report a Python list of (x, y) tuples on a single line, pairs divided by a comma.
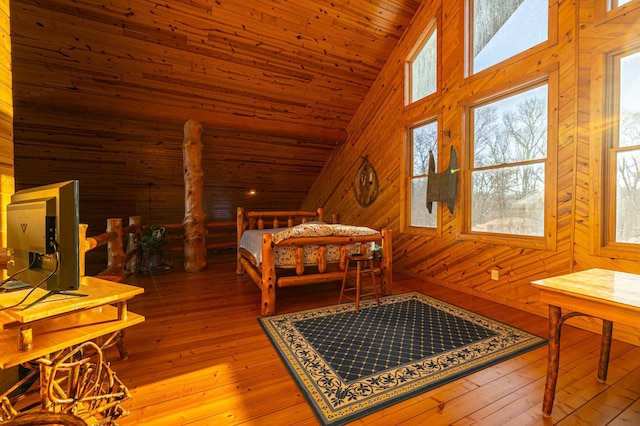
[(80, 382), (356, 265)]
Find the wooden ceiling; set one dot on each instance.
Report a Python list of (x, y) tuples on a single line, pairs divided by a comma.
[(287, 74)]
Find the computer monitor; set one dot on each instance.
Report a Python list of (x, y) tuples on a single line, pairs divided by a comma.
[(43, 237)]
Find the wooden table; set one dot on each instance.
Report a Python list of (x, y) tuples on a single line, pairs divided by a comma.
[(608, 295), (63, 321)]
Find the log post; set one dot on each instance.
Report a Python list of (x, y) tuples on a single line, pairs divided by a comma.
[(239, 231), (386, 264), (84, 247), (269, 279), (132, 245), (195, 251), (115, 249)]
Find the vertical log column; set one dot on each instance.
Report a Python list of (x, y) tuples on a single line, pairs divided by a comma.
[(115, 249), (195, 251)]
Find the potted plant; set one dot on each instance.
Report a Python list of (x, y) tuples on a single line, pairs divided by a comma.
[(152, 239)]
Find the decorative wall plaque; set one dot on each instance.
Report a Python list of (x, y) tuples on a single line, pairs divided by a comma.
[(365, 184)]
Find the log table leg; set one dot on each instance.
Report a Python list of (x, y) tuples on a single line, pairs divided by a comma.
[(555, 323), (605, 349)]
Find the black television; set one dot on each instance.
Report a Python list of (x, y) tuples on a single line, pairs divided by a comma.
[(43, 237)]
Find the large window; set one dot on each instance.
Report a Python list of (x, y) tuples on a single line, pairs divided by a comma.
[(500, 29), (423, 68), (423, 139), (508, 146), (624, 149)]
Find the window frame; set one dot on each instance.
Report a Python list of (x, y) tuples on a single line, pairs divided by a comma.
[(604, 146), (433, 25), (548, 240), (552, 39), (606, 10), (437, 206)]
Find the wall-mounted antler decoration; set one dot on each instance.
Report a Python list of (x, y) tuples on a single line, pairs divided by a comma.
[(443, 186), (365, 184)]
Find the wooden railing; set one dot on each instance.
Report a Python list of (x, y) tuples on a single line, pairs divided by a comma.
[(121, 262)]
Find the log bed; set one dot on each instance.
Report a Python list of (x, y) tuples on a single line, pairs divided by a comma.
[(268, 276)]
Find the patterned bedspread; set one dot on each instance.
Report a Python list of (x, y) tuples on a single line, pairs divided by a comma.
[(251, 242)]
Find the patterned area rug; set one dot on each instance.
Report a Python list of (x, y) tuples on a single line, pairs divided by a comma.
[(350, 364)]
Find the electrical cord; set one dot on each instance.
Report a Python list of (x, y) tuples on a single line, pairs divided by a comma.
[(12, 276), (44, 280)]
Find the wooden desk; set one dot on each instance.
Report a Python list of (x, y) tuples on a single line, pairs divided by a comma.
[(608, 295), (62, 321)]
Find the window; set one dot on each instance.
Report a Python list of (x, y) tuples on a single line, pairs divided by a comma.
[(500, 29), (616, 3), (423, 75), (624, 149), (423, 139), (508, 163)]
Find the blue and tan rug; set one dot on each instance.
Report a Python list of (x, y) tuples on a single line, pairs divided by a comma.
[(350, 364)]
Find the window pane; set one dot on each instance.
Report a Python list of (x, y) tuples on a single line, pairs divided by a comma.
[(509, 200), (512, 129), (425, 139), (420, 216), (628, 196), (617, 3), (629, 100), (423, 70), (504, 28)]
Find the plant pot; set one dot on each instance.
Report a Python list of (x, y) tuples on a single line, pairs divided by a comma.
[(155, 260)]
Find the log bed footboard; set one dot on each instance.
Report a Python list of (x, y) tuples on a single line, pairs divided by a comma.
[(266, 276)]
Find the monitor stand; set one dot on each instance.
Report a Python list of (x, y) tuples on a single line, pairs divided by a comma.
[(53, 293)]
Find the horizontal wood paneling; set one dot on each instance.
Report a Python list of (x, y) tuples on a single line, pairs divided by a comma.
[(116, 160), (378, 132), (102, 90), (269, 67)]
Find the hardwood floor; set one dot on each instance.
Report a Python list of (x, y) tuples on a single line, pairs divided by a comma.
[(201, 358)]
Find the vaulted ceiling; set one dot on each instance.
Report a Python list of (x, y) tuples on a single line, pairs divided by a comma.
[(290, 73)]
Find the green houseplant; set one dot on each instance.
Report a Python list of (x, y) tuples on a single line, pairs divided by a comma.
[(153, 238)]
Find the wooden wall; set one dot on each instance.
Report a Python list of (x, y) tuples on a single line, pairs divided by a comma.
[(378, 132), (102, 90), (116, 159), (6, 117), (9, 376)]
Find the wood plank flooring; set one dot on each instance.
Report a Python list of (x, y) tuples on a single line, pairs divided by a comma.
[(201, 358)]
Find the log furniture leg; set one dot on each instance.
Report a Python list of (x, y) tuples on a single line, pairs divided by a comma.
[(555, 323), (605, 350), (556, 319), (268, 276)]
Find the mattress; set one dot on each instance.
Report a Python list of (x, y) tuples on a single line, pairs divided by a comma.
[(285, 257)]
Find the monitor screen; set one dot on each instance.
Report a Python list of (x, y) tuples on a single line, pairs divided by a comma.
[(43, 237)]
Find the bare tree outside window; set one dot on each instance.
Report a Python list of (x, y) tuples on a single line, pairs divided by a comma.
[(625, 157), (509, 148), (424, 70), (501, 29), (424, 139)]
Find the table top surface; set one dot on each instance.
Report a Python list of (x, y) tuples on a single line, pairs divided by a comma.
[(62, 321), (596, 284), (99, 292)]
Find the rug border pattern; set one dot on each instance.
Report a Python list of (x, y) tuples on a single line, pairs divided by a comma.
[(424, 375)]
